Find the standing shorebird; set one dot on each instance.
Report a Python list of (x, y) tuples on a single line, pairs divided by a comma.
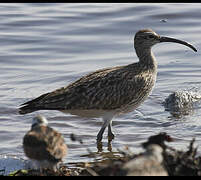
[(150, 163), (44, 145), (108, 92)]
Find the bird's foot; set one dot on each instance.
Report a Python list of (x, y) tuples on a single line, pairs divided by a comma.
[(99, 137), (99, 146), (110, 136)]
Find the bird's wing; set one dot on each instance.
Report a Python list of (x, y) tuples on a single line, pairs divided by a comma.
[(104, 89)]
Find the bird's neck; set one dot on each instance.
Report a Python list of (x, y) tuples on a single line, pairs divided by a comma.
[(147, 58)]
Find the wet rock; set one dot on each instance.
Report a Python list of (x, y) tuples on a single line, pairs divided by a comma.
[(182, 102), (157, 159), (63, 171), (183, 163), (154, 162)]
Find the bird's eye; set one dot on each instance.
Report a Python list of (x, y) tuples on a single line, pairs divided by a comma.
[(151, 36)]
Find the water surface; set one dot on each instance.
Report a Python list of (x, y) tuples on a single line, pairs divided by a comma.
[(47, 46)]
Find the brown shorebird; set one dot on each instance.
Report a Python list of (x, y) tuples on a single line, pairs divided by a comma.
[(44, 145), (108, 92)]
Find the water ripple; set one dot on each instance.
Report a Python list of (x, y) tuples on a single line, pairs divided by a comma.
[(47, 46)]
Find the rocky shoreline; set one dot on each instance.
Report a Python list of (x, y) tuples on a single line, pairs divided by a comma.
[(171, 162)]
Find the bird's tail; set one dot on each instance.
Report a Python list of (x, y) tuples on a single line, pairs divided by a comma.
[(27, 109), (31, 106)]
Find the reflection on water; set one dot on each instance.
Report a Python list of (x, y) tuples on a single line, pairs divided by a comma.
[(47, 46)]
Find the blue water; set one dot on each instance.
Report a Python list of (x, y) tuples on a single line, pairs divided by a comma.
[(47, 46)]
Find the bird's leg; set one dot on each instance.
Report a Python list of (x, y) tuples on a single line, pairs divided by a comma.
[(99, 146), (109, 146), (107, 119), (110, 134), (56, 167), (41, 170), (100, 133)]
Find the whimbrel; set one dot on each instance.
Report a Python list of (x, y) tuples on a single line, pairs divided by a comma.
[(108, 92), (44, 145)]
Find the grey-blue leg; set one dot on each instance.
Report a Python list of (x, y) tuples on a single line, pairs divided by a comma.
[(110, 134), (107, 120)]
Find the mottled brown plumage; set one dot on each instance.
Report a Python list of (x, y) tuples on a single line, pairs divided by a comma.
[(44, 145), (108, 92), (107, 89)]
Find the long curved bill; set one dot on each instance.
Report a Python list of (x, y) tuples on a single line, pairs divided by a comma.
[(167, 39)]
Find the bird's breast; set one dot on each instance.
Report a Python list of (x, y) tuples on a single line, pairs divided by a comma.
[(143, 87)]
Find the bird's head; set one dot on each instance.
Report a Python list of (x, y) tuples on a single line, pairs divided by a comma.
[(39, 120), (146, 38)]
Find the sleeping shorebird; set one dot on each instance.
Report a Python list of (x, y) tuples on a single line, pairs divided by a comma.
[(108, 92), (44, 145)]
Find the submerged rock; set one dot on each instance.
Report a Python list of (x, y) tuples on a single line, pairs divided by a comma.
[(182, 102)]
